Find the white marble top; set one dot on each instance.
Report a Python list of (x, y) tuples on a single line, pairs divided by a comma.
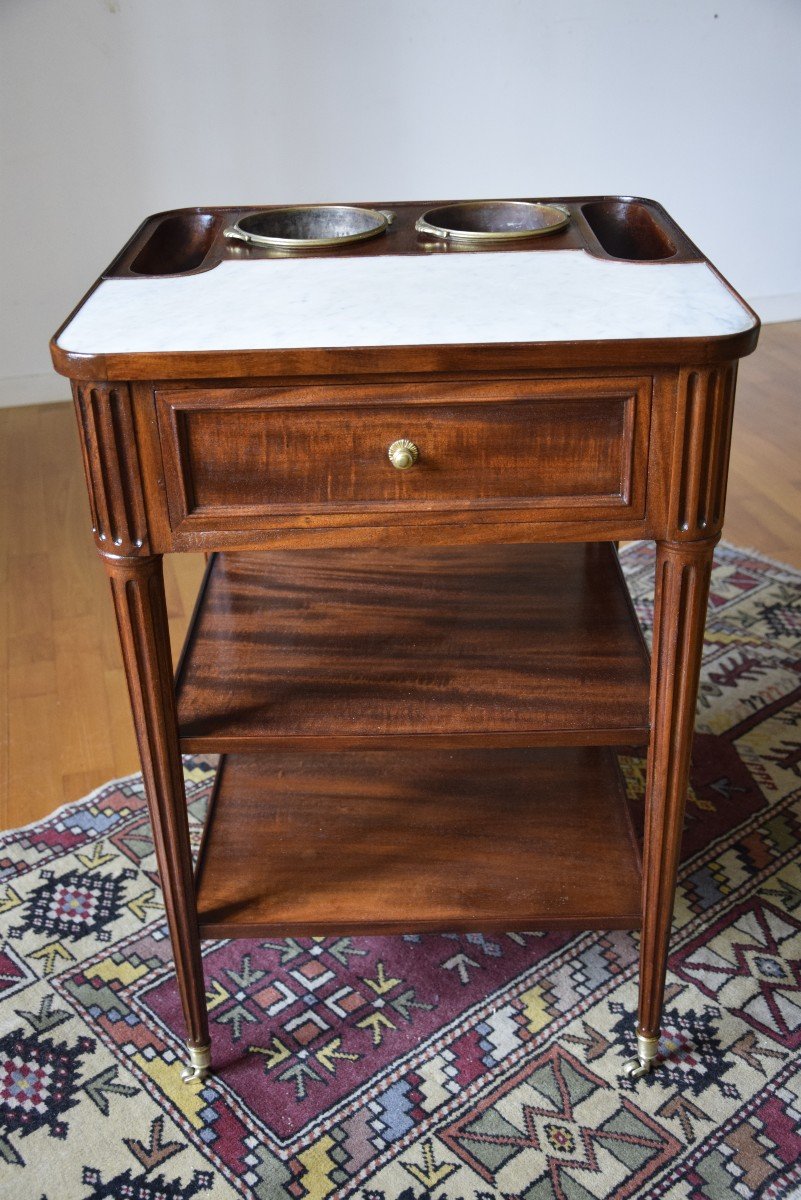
[(554, 296)]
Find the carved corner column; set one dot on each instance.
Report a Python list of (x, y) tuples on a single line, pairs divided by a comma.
[(119, 523), (683, 570)]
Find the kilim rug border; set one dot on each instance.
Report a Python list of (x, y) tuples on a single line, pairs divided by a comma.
[(447, 1067)]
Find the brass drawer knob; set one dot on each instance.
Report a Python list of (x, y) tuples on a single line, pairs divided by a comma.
[(403, 454)]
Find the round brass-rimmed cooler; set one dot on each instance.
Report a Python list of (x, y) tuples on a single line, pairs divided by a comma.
[(309, 226), (492, 220)]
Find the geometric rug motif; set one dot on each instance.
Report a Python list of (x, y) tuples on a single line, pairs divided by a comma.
[(436, 1067), (751, 962), (556, 1124)]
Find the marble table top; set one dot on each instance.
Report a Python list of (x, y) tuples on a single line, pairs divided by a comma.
[(263, 304)]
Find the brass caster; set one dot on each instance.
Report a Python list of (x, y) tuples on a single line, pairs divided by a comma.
[(643, 1064), (635, 1069), (199, 1064)]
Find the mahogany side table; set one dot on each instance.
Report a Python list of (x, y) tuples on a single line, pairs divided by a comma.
[(409, 464)]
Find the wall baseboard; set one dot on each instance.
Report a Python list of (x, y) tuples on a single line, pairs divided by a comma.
[(49, 389), (33, 389)]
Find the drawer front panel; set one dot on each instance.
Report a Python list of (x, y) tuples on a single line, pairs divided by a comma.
[(243, 455)]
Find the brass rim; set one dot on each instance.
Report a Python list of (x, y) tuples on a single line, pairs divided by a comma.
[(427, 223), (382, 223)]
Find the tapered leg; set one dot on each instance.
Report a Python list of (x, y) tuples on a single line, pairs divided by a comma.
[(137, 585), (682, 589)]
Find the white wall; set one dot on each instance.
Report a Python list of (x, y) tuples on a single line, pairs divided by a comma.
[(111, 109)]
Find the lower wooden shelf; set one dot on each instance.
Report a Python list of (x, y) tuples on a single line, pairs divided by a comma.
[(388, 842)]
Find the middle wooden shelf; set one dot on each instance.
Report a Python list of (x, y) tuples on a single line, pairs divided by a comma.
[(497, 645)]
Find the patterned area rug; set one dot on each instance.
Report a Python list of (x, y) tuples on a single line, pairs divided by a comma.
[(437, 1067)]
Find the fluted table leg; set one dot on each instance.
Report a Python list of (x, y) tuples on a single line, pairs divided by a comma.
[(137, 585), (682, 589)]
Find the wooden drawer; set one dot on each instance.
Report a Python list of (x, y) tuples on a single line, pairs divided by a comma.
[(245, 457)]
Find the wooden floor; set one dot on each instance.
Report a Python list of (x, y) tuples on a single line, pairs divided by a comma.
[(64, 721)]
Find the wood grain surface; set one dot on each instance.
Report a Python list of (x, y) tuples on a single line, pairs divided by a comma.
[(237, 453), (382, 842), (506, 645)]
